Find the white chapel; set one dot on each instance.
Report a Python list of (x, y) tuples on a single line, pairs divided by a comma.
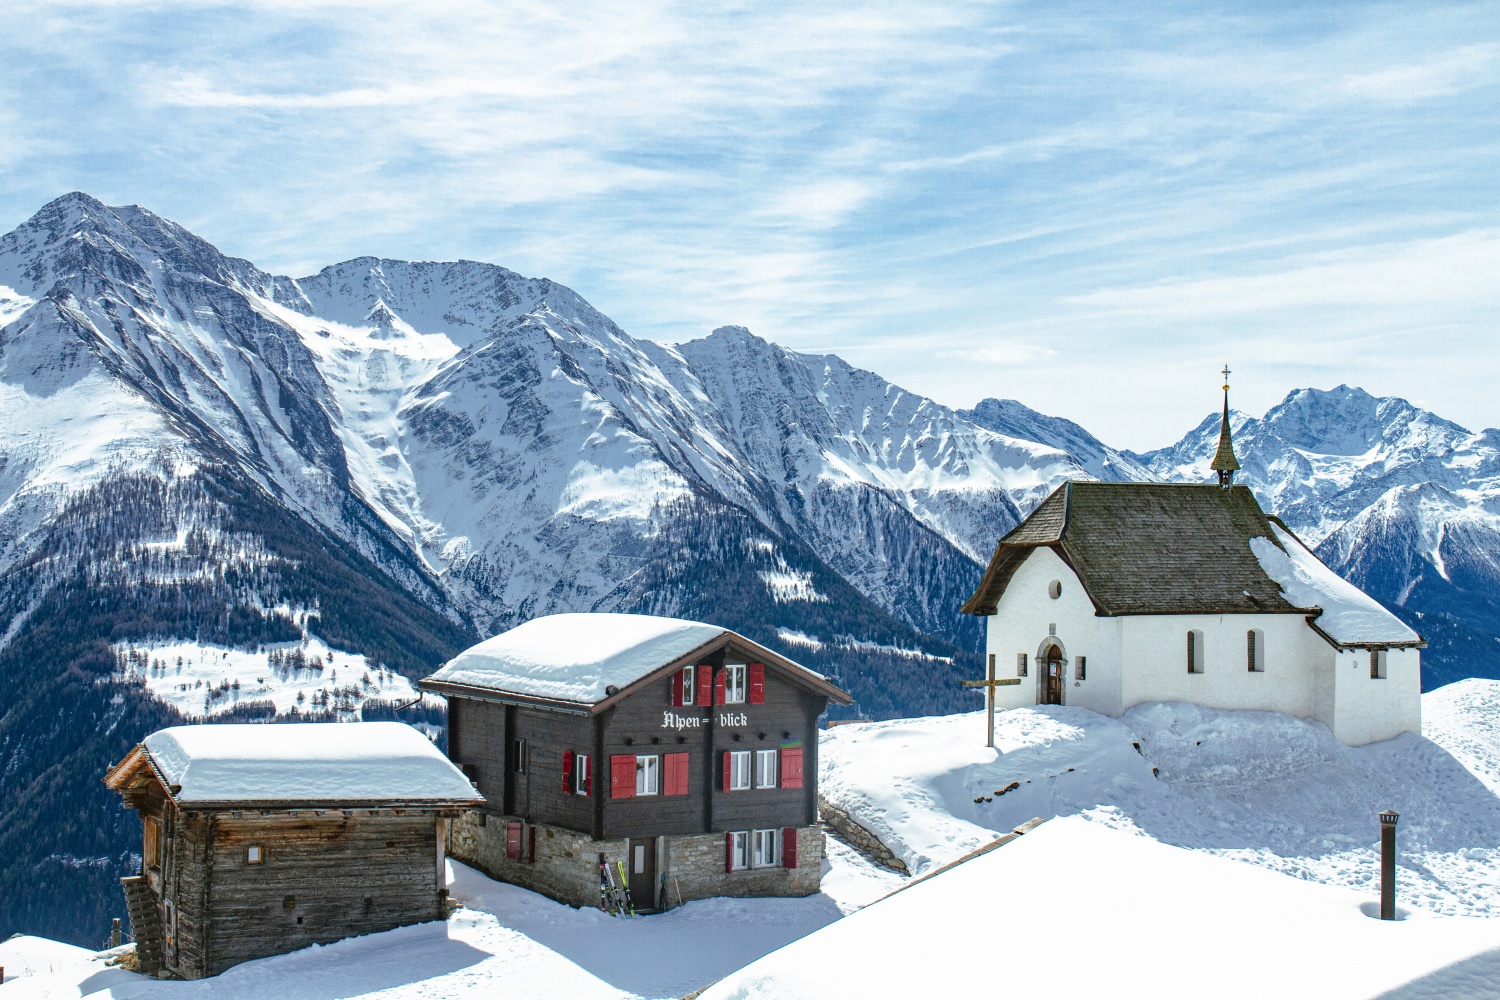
[(1109, 595)]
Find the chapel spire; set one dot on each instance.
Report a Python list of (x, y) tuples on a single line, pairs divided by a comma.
[(1224, 463)]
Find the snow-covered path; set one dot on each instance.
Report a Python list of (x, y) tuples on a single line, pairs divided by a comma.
[(1255, 786)]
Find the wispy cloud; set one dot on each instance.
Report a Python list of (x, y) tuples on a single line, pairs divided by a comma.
[(1068, 203)]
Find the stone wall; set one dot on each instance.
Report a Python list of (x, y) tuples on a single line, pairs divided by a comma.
[(859, 838), (566, 865)]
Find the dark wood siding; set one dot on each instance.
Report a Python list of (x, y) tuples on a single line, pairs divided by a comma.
[(324, 878), (478, 742)]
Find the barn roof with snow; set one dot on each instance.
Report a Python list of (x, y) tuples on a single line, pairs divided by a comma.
[(589, 660), (297, 764), (1178, 549)]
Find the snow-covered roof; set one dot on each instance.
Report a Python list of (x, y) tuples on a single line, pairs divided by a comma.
[(576, 657), (306, 762), (1350, 616)]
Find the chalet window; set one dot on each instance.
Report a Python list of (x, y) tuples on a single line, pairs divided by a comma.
[(766, 771), (582, 773), (1020, 664), (518, 755), (736, 770), (734, 683), (674, 768), (1194, 651), (737, 850), (1377, 664), (647, 774), (1080, 668), (763, 852), (1255, 651), (791, 767), (685, 687), (255, 855)]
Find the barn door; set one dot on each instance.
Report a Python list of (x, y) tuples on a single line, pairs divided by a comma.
[(642, 866)]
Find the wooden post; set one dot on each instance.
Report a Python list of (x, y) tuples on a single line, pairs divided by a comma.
[(1388, 864), (989, 686), (114, 933)]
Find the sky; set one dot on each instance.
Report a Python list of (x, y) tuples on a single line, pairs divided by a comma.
[(1089, 207)]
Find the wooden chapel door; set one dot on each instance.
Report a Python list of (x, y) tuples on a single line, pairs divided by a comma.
[(1054, 677)]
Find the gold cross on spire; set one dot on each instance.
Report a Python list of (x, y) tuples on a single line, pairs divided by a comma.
[(1226, 378)]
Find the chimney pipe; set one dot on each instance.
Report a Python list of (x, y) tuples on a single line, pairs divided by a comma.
[(1388, 864)]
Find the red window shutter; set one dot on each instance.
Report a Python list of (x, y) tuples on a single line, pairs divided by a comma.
[(729, 852), (675, 766), (719, 688), (677, 689), (588, 774), (513, 841), (567, 772), (789, 847), (728, 766), (705, 685), (757, 683), (791, 767), (622, 776)]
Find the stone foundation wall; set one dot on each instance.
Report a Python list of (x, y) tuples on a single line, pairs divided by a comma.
[(860, 839), (566, 866)]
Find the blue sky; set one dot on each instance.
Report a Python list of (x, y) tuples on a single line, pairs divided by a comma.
[(1089, 207)]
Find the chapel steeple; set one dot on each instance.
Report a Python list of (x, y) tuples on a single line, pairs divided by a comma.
[(1224, 463)]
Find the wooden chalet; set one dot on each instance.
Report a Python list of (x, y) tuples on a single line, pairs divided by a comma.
[(262, 839), (680, 751)]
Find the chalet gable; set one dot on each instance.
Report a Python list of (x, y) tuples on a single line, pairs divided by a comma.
[(589, 662)]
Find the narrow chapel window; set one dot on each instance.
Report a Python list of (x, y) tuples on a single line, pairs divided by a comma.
[(1377, 664), (1020, 664), (1195, 651), (1080, 668), (1255, 651)]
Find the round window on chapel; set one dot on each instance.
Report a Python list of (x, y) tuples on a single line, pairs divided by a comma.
[(1054, 589)]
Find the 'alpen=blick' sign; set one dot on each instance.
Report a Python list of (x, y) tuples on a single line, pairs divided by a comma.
[(727, 720)]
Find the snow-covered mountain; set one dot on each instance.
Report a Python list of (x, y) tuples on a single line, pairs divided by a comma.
[(1395, 498)]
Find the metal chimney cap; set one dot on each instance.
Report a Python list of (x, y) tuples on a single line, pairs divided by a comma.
[(1389, 817)]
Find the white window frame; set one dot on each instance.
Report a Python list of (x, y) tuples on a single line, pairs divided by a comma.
[(767, 768), (734, 683), (741, 770), (580, 774), (739, 853), (1377, 664), (689, 686), (765, 849), (647, 774)]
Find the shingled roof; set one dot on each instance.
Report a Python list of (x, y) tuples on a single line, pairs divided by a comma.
[(1147, 549)]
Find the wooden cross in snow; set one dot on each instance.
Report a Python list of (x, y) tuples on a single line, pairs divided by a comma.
[(989, 694)]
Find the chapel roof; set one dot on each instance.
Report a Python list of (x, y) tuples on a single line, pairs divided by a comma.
[(587, 660), (1181, 548)]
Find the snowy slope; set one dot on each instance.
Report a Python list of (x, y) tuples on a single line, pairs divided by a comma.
[(1075, 910), (1258, 787)]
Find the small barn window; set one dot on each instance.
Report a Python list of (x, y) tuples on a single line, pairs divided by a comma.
[(1054, 589), (763, 849), (766, 771), (1195, 651), (1377, 664), (1080, 668), (734, 683), (647, 774), (1020, 664), (255, 854), (1255, 651)]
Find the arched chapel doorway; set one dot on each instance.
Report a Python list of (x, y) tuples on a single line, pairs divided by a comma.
[(1053, 661)]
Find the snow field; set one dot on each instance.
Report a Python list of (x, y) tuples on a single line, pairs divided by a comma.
[(201, 681), (1257, 787), (1075, 910)]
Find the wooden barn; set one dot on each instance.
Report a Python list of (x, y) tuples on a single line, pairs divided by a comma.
[(681, 752), (262, 839)]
